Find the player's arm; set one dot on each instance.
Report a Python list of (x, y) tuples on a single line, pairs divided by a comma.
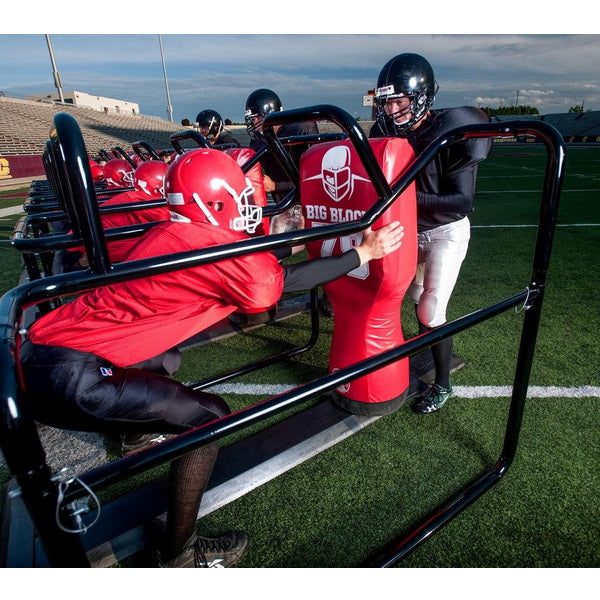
[(460, 173), (458, 195), (281, 187), (312, 273)]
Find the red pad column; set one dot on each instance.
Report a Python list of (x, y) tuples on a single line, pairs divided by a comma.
[(367, 301)]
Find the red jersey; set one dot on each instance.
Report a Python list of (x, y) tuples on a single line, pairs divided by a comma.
[(118, 249), (132, 321), (132, 217)]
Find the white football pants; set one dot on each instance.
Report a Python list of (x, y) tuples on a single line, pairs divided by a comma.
[(440, 256)]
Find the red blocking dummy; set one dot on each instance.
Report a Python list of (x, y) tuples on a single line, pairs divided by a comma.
[(367, 301)]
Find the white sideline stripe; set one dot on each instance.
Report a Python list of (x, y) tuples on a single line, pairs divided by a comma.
[(534, 391), (525, 226), (483, 391), (11, 210), (250, 389), (533, 191)]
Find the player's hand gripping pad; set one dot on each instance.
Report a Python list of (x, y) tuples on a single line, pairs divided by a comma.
[(242, 156), (367, 301)]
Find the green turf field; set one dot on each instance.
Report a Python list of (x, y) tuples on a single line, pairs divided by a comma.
[(335, 510)]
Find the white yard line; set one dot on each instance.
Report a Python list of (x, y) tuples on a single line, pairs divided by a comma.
[(11, 210), (483, 391), (537, 191), (527, 226)]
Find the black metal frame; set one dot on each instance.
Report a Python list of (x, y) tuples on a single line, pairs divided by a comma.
[(145, 151), (187, 134), (18, 435), (33, 237), (120, 152), (104, 155)]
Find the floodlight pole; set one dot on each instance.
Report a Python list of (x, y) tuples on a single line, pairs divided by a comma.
[(55, 73), (162, 57)]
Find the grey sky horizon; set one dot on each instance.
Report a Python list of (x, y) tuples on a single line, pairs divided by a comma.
[(552, 72)]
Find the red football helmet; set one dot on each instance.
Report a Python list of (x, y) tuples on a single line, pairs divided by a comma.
[(97, 172), (208, 185), (118, 173), (149, 178), (136, 158)]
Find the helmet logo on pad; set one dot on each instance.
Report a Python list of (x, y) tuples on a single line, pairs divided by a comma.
[(336, 174)]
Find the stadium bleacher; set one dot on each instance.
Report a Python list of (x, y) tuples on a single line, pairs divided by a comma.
[(576, 127), (24, 127)]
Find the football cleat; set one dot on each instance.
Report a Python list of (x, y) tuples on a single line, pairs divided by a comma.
[(206, 553), (433, 400)]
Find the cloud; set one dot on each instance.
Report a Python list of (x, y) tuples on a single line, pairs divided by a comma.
[(553, 72), (489, 101)]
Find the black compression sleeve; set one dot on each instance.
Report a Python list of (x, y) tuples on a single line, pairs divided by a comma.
[(282, 187), (458, 196), (281, 253), (311, 273), (445, 202)]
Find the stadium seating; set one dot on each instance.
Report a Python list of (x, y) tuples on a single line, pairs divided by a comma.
[(24, 127), (575, 127)]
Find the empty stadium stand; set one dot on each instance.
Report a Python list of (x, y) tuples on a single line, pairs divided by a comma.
[(24, 127), (575, 127)]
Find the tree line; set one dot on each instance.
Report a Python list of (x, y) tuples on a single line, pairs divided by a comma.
[(522, 109)]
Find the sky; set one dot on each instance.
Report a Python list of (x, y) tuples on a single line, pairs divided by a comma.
[(552, 71)]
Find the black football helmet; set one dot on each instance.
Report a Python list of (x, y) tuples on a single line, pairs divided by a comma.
[(210, 123), (259, 104), (406, 75)]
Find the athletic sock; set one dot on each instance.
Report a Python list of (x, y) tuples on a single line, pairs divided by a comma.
[(442, 359), (188, 478)]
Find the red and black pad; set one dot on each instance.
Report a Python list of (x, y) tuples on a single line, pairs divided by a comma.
[(242, 156), (335, 188)]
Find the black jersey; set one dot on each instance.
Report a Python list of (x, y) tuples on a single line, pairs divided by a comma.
[(446, 186), (270, 164)]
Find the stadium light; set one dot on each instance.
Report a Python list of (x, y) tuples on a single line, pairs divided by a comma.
[(169, 107), (55, 73)]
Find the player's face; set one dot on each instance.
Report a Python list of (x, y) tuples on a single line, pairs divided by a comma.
[(257, 121), (399, 109)]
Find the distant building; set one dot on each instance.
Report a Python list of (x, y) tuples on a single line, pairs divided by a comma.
[(99, 103), (369, 100)]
